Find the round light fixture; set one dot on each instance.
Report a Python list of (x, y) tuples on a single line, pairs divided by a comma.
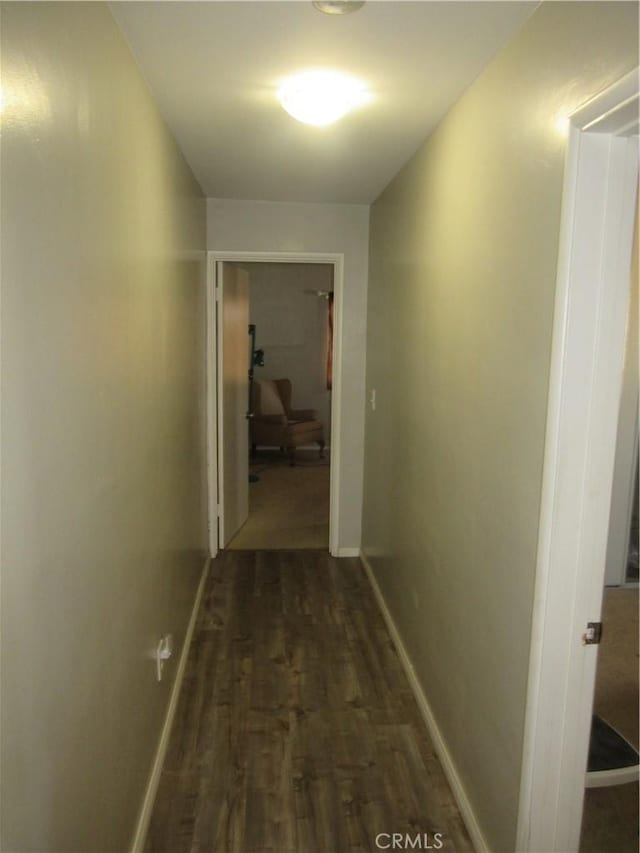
[(338, 7), (321, 97)]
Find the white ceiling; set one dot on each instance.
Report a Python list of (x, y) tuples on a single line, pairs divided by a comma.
[(214, 68)]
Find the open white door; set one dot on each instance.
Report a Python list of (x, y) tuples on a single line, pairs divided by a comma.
[(232, 297), (626, 464)]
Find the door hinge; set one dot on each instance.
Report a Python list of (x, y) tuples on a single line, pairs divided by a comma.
[(593, 634), (218, 293), (219, 510)]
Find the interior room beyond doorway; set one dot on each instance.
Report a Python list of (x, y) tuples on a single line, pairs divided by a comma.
[(291, 309)]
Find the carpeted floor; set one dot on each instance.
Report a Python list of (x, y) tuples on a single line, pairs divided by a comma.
[(616, 696), (288, 506), (610, 823)]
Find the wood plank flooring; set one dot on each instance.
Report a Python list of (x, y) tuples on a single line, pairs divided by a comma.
[(296, 729)]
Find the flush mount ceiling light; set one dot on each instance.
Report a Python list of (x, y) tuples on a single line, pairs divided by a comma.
[(321, 97), (338, 7)]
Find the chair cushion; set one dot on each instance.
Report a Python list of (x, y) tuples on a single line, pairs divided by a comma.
[(270, 402), (304, 430)]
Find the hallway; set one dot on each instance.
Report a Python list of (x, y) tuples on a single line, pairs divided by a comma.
[(296, 728), (143, 144)]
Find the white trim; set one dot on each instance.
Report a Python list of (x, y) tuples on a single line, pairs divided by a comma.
[(609, 778), (608, 111), (473, 827), (142, 825), (212, 408), (592, 299), (337, 261), (623, 493), (217, 427), (347, 552)]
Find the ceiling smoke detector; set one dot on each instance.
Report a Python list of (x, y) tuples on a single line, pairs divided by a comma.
[(338, 7)]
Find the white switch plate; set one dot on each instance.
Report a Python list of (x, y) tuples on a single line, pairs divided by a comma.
[(163, 653)]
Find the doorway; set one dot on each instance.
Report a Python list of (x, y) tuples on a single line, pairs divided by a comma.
[(592, 306), (315, 282), (291, 326), (610, 817)]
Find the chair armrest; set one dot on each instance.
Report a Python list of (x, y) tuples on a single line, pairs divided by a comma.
[(280, 420), (303, 415)]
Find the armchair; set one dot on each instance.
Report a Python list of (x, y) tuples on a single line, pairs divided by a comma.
[(276, 424)]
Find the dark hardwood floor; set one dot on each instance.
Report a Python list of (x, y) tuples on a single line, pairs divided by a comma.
[(296, 728)]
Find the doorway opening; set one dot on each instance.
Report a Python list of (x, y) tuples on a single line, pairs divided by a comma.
[(274, 460), (291, 321), (610, 816), (588, 354)]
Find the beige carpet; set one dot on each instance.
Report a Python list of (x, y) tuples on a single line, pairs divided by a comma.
[(616, 696), (288, 507), (610, 823)]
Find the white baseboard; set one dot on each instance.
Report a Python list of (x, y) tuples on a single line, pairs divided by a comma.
[(477, 838), (142, 825), (347, 552)]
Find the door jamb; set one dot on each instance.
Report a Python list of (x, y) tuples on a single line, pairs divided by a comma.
[(592, 299), (211, 370), (335, 260)]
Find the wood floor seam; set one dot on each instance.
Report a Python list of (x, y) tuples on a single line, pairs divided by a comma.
[(296, 728)]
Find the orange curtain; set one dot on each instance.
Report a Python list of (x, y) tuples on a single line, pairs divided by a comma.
[(330, 344)]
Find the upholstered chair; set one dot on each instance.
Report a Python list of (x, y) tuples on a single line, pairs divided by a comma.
[(276, 424)]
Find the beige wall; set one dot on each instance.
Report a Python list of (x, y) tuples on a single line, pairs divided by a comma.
[(292, 326), (265, 226), (103, 518), (462, 273)]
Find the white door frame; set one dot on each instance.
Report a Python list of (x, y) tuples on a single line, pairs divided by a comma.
[(335, 260), (624, 477), (592, 300), (211, 369)]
